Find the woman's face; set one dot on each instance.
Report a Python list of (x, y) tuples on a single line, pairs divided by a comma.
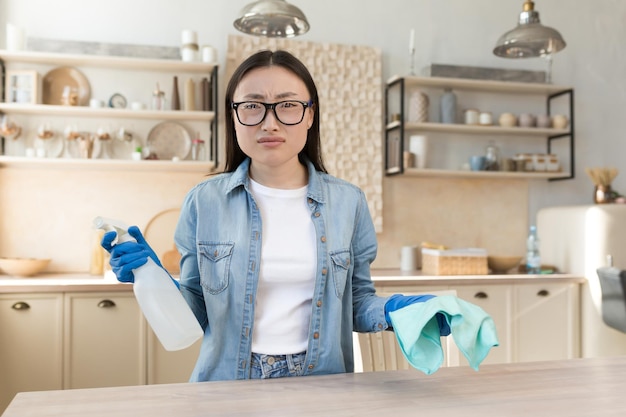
[(272, 143)]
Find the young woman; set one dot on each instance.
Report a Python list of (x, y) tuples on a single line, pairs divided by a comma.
[(276, 252)]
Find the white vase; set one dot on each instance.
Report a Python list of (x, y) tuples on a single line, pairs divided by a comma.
[(418, 107)]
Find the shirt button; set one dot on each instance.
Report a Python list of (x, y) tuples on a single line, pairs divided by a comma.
[(316, 335), (323, 239), (319, 303), (310, 366), (380, 325), (317, 214), (324, 271), (271, 360)]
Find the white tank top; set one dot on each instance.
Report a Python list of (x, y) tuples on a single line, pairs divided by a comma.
[(287, 273)]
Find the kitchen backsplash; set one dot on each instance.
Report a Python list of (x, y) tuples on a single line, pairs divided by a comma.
[(48, 212)]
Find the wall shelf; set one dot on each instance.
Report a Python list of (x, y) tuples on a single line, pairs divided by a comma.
[(116, 66), (84, 111), (397, 130), (505, 87), (106, 61), (446, 173), (105, 164), (478, 129)]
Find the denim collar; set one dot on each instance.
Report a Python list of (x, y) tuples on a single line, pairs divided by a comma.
[(315, 191)]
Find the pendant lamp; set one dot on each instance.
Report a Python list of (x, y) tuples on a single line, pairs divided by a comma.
[(272, 18), (530, 38)]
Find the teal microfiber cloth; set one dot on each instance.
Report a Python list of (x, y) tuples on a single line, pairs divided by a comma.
[(417, 331)]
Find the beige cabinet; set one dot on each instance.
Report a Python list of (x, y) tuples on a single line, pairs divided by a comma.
[(165, 367), (31, 328), (546, 322), (496, 300), (380, 351), (104, 343), (52, 341), (534, 321)]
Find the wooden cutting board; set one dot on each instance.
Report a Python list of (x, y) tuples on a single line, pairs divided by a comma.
[(159, 232)]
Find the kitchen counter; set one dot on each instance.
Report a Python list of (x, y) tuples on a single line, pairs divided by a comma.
[(575, 387), (83, 282)]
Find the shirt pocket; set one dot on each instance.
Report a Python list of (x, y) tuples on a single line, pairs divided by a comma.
[(214, 263), (340, 265)]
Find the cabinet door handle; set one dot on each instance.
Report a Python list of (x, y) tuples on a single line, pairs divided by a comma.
[(106, 304), (20, 305), (481, 295), (543, 293)]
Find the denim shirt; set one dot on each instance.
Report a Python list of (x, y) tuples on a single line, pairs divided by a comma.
[(219, 238)]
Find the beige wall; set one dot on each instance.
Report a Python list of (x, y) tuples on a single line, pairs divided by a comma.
[(489, 213), (47, 212)]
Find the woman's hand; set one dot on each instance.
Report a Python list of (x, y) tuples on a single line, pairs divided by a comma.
[(127, 256)]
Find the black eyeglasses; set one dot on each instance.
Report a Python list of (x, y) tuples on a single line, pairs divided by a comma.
[(288, 112)]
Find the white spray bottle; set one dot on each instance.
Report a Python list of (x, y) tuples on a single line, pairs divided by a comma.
[(160, 300)]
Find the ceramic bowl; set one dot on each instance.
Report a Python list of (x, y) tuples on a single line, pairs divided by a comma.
[(502, 264), (23, 267)]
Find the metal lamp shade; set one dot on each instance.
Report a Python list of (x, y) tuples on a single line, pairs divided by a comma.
[(530, 38), (272, 18)]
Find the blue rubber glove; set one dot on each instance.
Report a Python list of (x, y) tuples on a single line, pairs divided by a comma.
[(127, 256), (397, 301)]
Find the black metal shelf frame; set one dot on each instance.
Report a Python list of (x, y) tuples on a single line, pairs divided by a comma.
[(394, 142), (570, 134)]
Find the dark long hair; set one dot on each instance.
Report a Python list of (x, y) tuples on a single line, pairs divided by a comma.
[(312, 149)]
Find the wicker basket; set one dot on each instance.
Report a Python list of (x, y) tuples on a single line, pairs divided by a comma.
[(469, 261)]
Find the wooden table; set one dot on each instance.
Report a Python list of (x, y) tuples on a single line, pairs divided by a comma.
[(577, 387)]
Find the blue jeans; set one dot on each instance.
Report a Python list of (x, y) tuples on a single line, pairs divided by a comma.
[(276, 366)]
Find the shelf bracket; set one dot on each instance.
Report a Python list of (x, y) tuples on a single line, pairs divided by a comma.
[(570, 134), (394, 145)]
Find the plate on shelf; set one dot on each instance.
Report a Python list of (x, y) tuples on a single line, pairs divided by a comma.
[(55, 81), (168, 140)]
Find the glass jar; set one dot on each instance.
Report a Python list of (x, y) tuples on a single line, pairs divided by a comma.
[(492, 157), (158, 99), (198, 152)]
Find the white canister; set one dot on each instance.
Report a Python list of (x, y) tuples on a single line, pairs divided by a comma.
[(552, 163), (472, 117), (485, 118), (539, 162), (209, 54), (189, 36), (189, 52), (418, 146), (15, 37), (408, 258)]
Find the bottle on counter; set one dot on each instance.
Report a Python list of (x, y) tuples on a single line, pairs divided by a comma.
[(533, 258)]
